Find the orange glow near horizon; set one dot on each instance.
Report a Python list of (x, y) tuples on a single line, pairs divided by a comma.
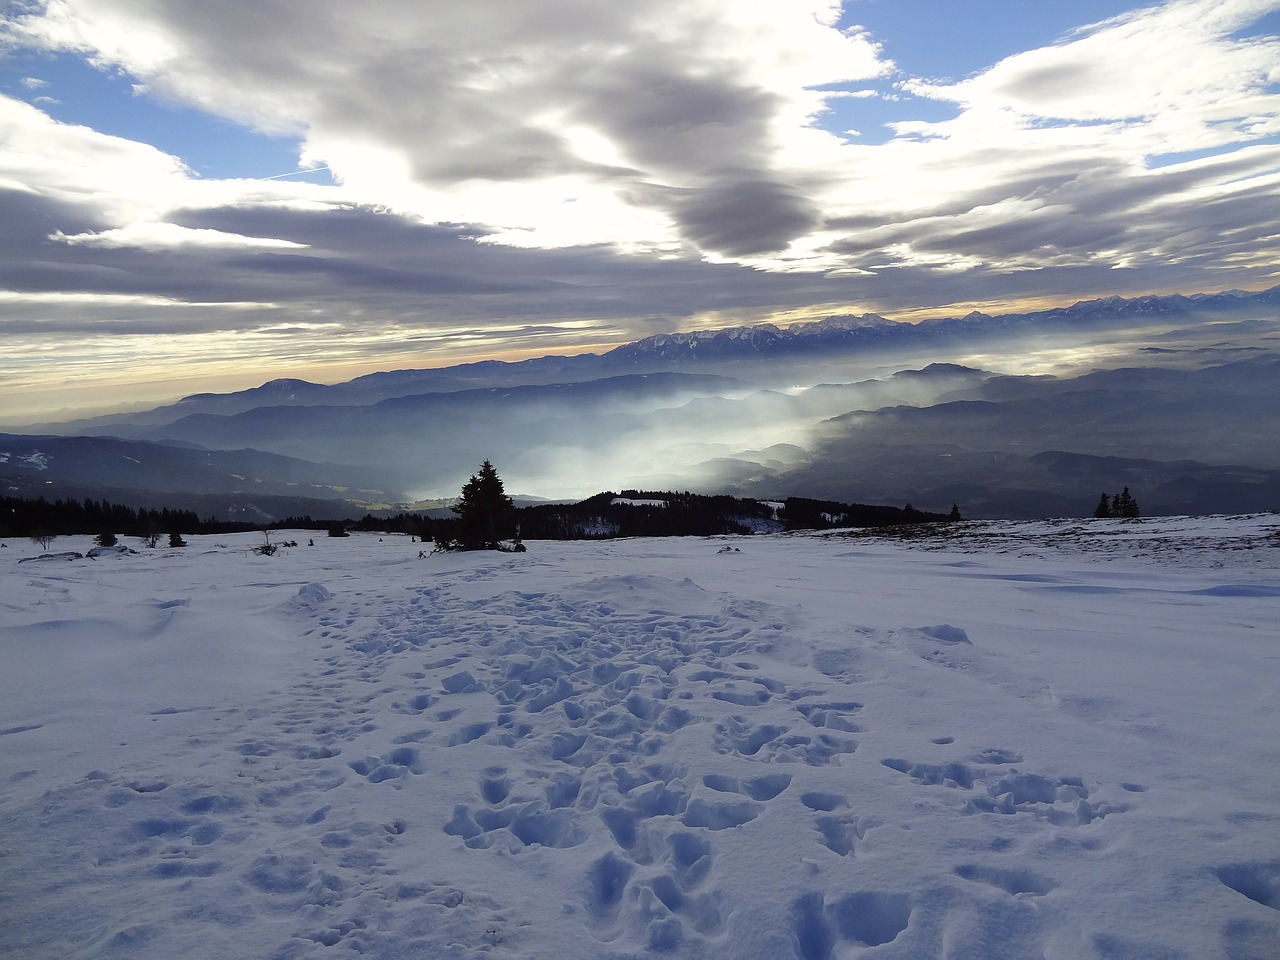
[(130, 374)]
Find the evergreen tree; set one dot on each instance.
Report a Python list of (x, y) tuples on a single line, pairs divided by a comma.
[(1125, 505), (955, 512), (1103, 510), (485, 514)]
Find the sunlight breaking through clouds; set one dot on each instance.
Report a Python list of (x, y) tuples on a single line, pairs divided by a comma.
[(623, 169)]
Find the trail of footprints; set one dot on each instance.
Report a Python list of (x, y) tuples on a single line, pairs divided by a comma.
[(591, 706), (585, 698), (587, 710)]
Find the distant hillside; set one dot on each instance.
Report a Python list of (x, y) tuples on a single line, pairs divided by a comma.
[(233, 484), (826, 338), (1179, 403)]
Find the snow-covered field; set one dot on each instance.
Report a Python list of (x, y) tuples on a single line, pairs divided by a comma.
[(1056, 740)]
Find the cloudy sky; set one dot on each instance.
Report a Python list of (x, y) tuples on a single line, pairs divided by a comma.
[(203, 196)]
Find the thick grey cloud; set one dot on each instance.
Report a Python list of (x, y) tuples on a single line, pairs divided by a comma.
[(525, 177), (745, 217), (30, 221), (495, 90), (1100, 213)]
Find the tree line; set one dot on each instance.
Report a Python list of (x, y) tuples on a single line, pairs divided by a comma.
[(486, 518), (1122, 506), (39, 517), (483, 517)]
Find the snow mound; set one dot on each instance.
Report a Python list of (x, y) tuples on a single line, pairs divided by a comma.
[(310, 594), (119, 550), (640, 593), (46, 557)]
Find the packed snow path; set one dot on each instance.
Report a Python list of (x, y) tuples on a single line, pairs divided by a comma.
[(785, 747)]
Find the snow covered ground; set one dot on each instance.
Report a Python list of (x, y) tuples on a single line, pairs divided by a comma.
[(1056, 740)]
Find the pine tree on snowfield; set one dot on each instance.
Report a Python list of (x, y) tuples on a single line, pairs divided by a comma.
[(1103, 510), (485, 514)]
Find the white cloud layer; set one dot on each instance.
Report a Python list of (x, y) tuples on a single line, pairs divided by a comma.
[(660, 117), (620, 165), (167, 236)]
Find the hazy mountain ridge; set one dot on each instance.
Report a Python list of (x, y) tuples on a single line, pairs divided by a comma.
[(772, 412), (824, 336), (1188, 440), (1184, 438), (1051, 483), (232, 483), (400, 418), (844, 331)]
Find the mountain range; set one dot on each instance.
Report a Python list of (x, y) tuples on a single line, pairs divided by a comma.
[(1177, 405)]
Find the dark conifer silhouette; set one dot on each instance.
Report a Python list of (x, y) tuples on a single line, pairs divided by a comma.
[(1121, 506), (486, 516), (1125, 505)]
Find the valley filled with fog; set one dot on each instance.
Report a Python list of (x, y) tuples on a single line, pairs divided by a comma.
[(1021, 416)]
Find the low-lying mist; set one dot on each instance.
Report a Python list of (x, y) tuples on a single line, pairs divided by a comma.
[(1012, 421)]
